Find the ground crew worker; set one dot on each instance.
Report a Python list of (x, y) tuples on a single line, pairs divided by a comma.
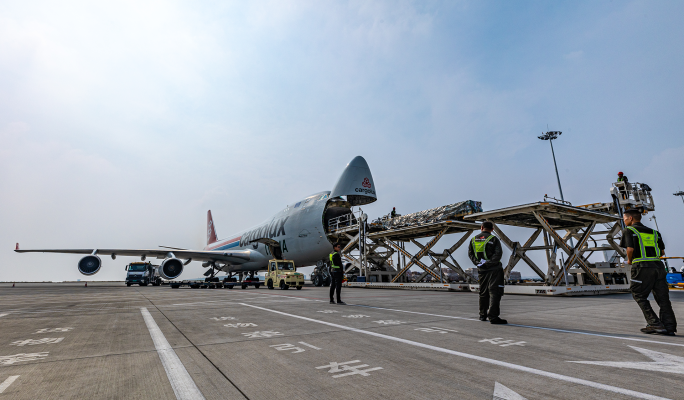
[(394, 212), (336, 273), (625, 189), (622, 178), (644, 248), (485, 252)]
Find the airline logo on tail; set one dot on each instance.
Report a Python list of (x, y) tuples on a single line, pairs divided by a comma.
[(211, 232), (366, 183)]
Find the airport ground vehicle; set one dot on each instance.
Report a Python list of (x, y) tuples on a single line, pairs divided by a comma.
[(283, 274), (143, 274)]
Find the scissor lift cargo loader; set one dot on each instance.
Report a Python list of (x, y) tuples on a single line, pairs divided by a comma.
[(382, 245), (570, 229)]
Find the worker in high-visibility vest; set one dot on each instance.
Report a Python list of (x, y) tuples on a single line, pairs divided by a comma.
[(485, 252), (336, 273), (644, 247), (626, 187)]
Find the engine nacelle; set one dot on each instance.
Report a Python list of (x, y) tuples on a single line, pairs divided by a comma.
[(89, 265), (171, 268)]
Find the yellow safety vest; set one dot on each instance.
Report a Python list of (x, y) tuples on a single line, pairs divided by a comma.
[(332, 265), (646, 240), (479, 245)]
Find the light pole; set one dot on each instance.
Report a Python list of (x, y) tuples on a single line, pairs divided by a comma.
[(680, 194), (551, 136)]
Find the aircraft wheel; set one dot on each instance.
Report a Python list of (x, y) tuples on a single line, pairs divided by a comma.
[(316, 280), (244, 286), (128, 284), (229, 286), (256, 286), (326, 282)]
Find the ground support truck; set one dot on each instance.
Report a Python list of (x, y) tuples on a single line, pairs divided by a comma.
[(143, 274)]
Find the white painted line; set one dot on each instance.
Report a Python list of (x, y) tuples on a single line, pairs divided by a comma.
[(501, 392), (529, 326), (8, 382), (504, 364), (313, 347), (444, 329), (181, 382), (662, 362), (2, 315)]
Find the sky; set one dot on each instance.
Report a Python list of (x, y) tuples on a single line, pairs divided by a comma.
[(122, 123)]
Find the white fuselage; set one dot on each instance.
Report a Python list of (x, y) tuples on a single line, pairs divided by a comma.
[(299, 229)]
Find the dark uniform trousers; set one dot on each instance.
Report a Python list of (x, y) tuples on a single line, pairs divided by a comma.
[(646, 280), (491, 290), (336, 284)]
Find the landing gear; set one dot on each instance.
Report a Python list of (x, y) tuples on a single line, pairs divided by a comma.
[(321, 275)]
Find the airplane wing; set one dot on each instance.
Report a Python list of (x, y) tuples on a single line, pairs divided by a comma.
[(232, 257)]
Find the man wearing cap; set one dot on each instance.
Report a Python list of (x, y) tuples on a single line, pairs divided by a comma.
[(644, 247), (485, 252)]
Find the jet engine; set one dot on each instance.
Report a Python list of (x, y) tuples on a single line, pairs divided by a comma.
[(89, 265), (171, 268)]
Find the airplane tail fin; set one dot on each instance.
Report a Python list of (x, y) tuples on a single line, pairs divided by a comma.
[(211, 230)]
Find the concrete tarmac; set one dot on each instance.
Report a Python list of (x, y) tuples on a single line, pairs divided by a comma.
[(109, 341)]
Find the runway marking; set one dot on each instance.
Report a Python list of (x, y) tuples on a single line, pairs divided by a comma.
[(53, 330), (501, 342), (428, 330), (528, 326), (182, 384), (443, 329), (662, 362), (389, 322), (356, 316), (261, 334), (2, 315), (8, 382), (501, 392), (33, 342), (222, 318), (240, 325), (312, 346), (336, 367), (21, 357), (504, 364), (287, 347), (327, 311)]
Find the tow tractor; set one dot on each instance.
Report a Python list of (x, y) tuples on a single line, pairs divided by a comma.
[(282, 273)]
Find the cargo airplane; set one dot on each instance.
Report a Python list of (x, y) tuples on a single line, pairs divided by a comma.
[(299, 232)]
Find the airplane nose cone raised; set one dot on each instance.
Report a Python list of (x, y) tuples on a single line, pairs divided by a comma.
[(356, 182)]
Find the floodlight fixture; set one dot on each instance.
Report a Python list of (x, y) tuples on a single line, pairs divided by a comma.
[(680, 194), (551, 136)]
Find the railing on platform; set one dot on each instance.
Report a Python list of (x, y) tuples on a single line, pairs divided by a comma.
[(344, 221)]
